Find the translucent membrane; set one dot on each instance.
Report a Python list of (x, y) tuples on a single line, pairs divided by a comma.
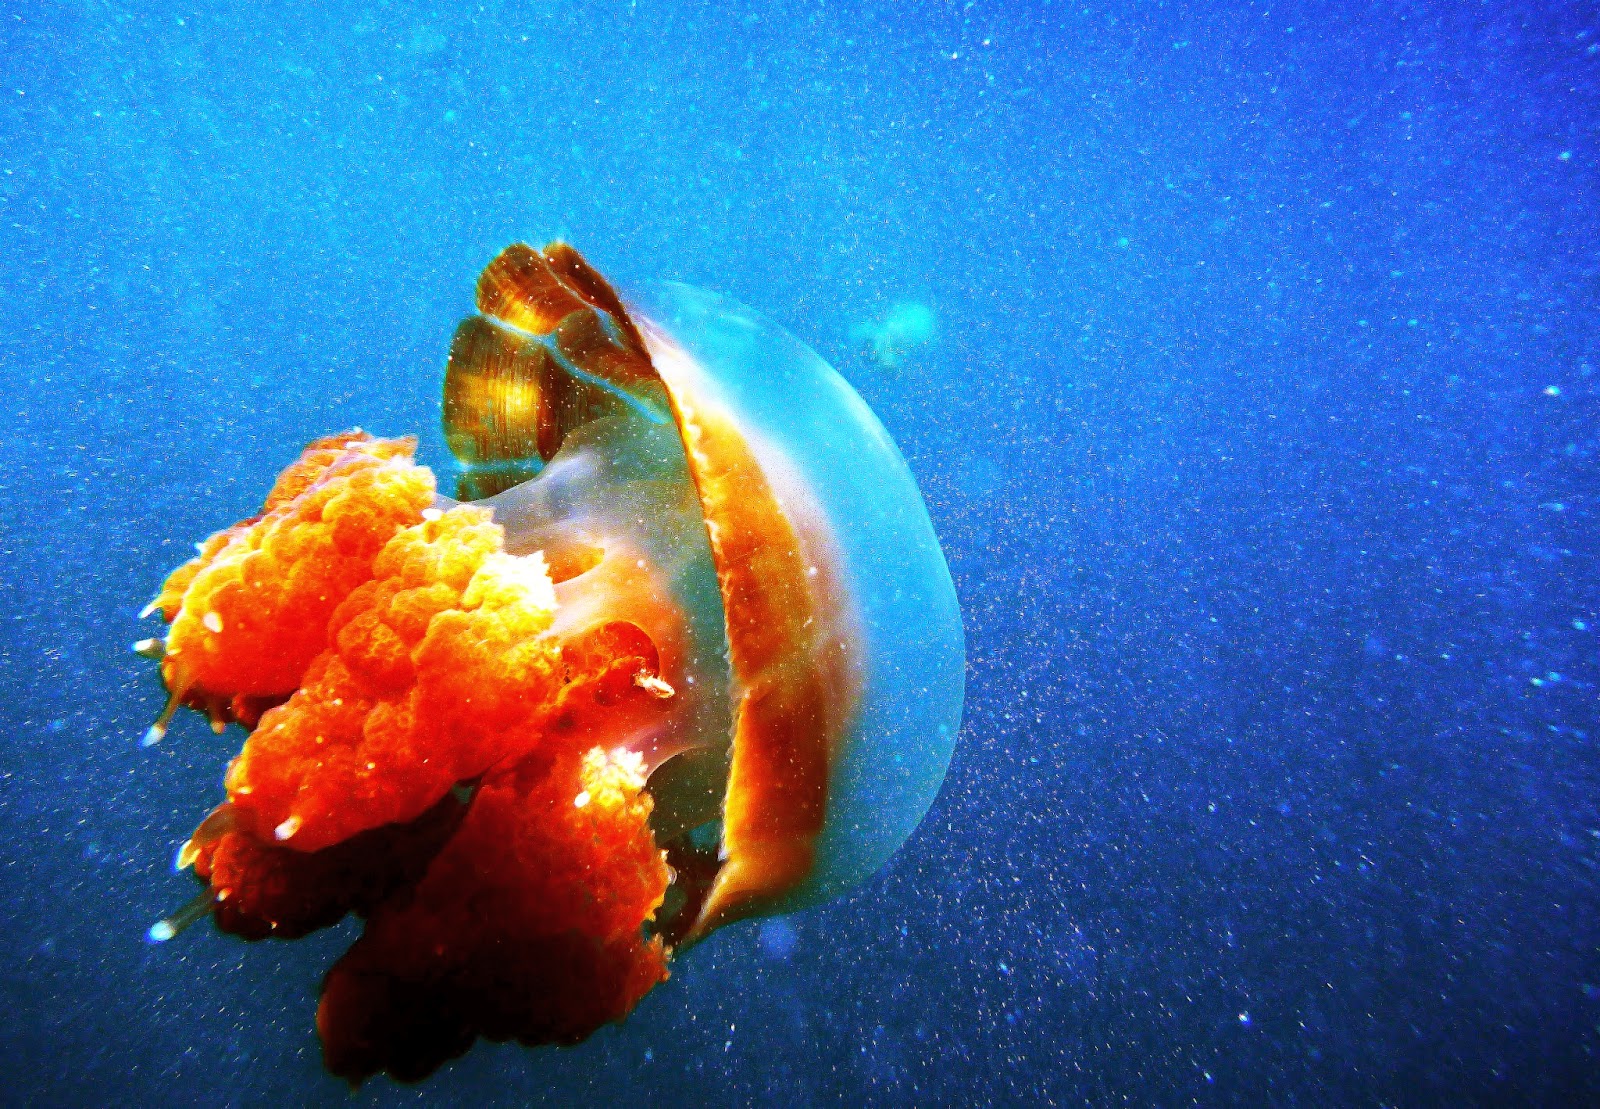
[(857, 501)]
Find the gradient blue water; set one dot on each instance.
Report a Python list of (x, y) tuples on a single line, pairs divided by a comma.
[(1260, 432)]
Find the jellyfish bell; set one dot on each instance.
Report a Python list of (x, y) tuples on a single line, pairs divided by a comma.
[(888, 597), (846, 643), (683, 650)]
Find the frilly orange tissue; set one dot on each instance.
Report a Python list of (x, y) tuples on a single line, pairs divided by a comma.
[(432, 758)]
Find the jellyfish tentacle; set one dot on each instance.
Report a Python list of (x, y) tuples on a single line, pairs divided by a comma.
[(158, 731), (195, 909), (235, 647)]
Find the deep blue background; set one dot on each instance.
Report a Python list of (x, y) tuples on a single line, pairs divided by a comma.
[(1261, 434)]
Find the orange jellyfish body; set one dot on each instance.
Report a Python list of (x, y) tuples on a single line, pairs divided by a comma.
[(487, 728)]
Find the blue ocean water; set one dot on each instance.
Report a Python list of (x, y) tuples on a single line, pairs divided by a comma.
[(1258, 416)]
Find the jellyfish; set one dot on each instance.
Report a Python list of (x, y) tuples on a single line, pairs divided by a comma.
[(681, 651)]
